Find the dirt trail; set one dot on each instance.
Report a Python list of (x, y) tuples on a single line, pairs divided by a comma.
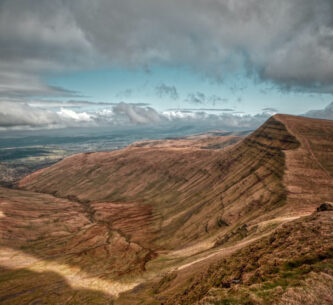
[(222, 252), (229, 250)]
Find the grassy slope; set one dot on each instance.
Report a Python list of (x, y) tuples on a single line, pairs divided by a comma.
[(274, 270), (52, 247), (172, 201), (192, 193), (308, 177)]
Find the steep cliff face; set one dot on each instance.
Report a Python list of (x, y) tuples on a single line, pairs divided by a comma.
[(191, 193), (108, 221)]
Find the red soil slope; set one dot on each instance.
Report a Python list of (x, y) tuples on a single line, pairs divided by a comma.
[(104, 222), (186, 194)]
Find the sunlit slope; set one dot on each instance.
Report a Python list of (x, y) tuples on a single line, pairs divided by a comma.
[(309, 169), (96, 225), (192, 193), (52, 247), (293, 265)]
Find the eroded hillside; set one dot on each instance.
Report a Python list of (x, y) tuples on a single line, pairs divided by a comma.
[(191, 193), (110, 221), (292, 265)]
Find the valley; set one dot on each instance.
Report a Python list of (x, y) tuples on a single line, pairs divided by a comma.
[(211, 219)]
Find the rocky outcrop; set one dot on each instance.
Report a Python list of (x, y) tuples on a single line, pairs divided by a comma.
[(326, 206)]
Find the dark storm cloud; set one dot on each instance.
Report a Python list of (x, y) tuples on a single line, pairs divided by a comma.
[(165, 90), (38, 37), (288, 42)]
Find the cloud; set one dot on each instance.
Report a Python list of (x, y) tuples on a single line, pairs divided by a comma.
[(326, 113), (67, 114), (165, 90), (227, 121), (196, 98), (217, 99), (270, 109), (43, 103), (136, 114), (54, 105), (14, 115), (201, 109), (287, 42), (71, 103), (201, 98), (20, 115), (36, 38), (21, 84)]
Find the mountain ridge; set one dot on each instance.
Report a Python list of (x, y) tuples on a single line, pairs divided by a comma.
[(189, 172), (153, 211)]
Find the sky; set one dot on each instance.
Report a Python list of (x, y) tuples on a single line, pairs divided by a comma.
[(224, 63)]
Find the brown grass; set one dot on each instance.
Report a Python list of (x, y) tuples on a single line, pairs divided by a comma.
[(171, 216)]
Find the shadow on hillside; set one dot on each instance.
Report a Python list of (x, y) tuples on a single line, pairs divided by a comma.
[(22, 286)]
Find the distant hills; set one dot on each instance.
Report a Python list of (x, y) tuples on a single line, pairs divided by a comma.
[(213, 219)]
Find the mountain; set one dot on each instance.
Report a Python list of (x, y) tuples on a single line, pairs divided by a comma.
[(219, 219)]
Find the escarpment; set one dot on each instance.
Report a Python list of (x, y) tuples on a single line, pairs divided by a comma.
[(161, 221)]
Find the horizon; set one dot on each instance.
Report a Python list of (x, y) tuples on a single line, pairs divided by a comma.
[(166, 152), (117, 63)]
